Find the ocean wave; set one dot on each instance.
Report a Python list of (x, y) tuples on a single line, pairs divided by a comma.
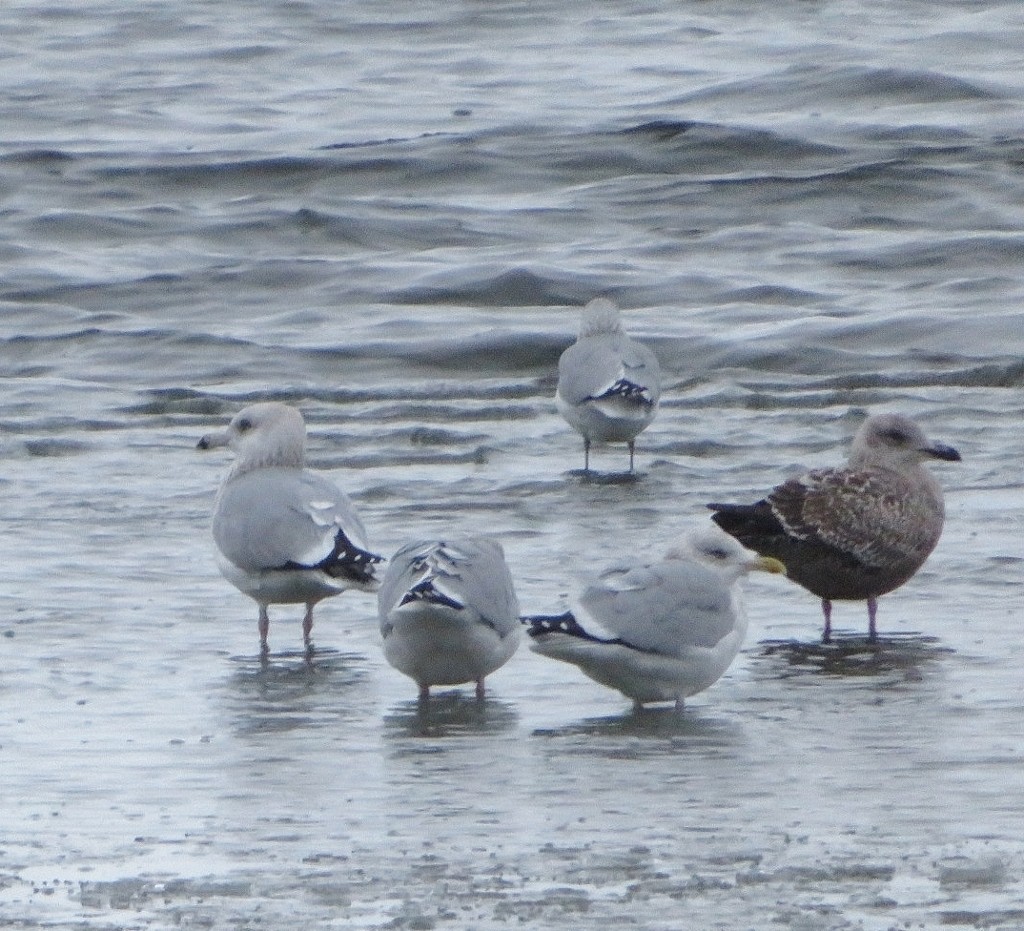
[(816, 87), (502, 287)]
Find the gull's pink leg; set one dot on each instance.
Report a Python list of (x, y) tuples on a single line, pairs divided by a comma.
[(307, 623), (424, 692), (480, 691), (872, 612), (826, 609), (264, 629)]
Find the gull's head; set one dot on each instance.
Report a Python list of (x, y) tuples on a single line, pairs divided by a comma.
[(710, 546), (600, 316), (896, 442), (262, 436)]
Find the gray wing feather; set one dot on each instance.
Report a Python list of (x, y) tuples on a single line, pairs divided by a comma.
[(642, 367), (268, 518), (590, 367), (469, 570), (663, 608)]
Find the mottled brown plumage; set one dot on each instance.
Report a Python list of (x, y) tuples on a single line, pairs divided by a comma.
[(857, 532)]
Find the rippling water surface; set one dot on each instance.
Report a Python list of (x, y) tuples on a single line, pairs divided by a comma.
[(388, 215)]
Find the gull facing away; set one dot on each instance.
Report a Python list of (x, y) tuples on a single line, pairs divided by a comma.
[(658, 632), (448, 612), (284, 534), (608, 384), (856, 532)]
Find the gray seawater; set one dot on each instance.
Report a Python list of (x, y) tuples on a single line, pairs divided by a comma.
[(388, 215)]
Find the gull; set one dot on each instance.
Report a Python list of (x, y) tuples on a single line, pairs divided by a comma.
[(448, 612), (608, 383), (284, 534), (856, 532), (662, 631)]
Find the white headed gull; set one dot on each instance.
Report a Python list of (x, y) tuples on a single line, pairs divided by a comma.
[(284, 534), (857, 532), (448, 611), (662, 631), (608, 384)]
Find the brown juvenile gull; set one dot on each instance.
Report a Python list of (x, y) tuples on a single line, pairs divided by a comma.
[(284, 534), (853, 533), (608, 384)]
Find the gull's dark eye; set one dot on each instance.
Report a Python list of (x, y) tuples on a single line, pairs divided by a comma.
[(244, 425), (717, 553), (894, 435)]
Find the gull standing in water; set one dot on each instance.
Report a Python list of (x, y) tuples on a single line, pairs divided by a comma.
[(284, 534), (448, 612), (608, 384), (658, 632), (857, 532)]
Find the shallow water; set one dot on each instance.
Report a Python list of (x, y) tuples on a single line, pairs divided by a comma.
[(389, 218)]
